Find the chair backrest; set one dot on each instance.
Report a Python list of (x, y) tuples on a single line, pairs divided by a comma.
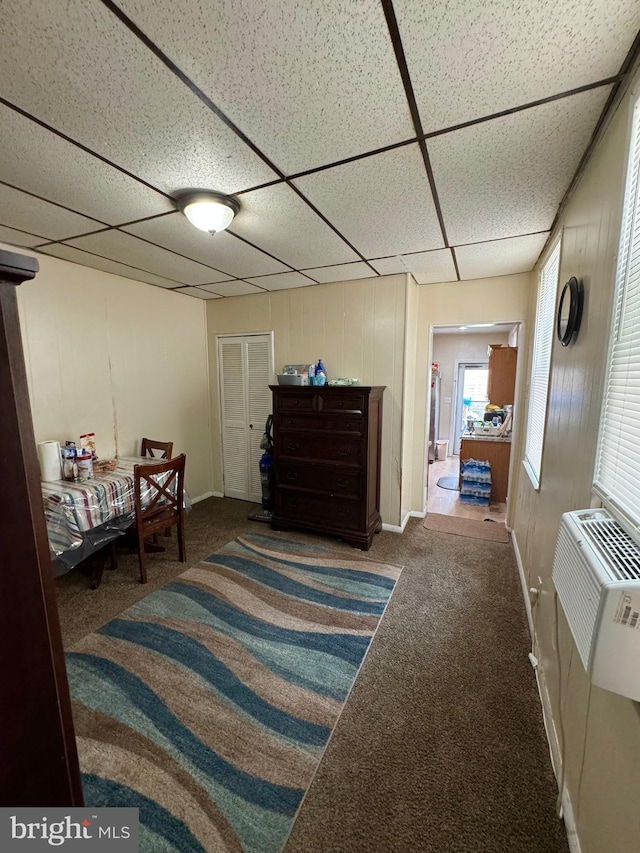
[(159, 493), (149, 445)]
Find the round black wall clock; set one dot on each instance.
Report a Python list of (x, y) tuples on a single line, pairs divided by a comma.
[(570, 311)]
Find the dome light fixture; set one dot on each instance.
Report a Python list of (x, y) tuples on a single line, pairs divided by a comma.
[(207, 210)]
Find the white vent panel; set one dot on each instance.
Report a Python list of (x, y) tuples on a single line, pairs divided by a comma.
[(596, 572), (619, 552), (579, 592)]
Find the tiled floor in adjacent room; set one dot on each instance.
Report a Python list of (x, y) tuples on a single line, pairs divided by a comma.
[(447, 501)]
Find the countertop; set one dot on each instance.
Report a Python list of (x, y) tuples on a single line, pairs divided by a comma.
[(480, 436)]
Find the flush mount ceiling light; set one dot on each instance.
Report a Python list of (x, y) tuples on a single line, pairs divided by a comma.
[(208, 211)]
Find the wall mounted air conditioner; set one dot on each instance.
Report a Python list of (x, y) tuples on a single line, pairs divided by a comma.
[(596, 572)]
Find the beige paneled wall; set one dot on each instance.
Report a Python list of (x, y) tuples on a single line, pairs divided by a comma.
[(448, 350), (602, 730), (504, 299), (408, 414), (356, 327), (123, 359)]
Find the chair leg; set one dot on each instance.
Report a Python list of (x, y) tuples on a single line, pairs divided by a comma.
[(142, 561), (181, 546)]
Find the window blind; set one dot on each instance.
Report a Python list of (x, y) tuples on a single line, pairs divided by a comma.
[(540, 363), (617, 474)]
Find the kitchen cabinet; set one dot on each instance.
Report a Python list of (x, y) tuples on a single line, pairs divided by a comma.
[(502, 375), (326, 456), (497, 451)]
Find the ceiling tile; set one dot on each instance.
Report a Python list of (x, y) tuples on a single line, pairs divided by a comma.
[(40, 162), (77, 256), (431, 267), (507, 176), (501, 257), (232, 288), (137, 253), (392, 188), (283, 281), (277, 220), (389, 266), (18, 238), (309, 83), (341, 272), (197, 292), (55, 223), (467, 63), (223, 251), (142, 117)]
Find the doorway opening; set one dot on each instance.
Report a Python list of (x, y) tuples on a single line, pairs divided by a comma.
[(471, 364)]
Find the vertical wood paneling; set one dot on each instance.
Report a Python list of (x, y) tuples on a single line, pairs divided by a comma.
[(356, 327), (353, 329), (602, 730), (497, 300)]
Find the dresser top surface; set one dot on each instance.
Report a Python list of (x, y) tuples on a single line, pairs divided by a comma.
[(324, 389)]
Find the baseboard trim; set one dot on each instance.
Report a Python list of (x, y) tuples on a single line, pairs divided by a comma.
[(202, 497), (547, 714), (524, 585), (399, 528), (217, 494), (555, 752)]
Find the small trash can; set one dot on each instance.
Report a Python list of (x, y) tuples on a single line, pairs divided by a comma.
[(441, 449)]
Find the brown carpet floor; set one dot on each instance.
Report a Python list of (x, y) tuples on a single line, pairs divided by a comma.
[(441, 746)]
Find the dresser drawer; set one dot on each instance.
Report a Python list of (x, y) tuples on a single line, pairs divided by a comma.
[(341, 482), (349, 423), (295, 401), (319, 510), (340, 401), (318, 447), (330, 401)]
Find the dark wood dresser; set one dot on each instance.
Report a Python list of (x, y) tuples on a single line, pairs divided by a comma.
[(327, 460)]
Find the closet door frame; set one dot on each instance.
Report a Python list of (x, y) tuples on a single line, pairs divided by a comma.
[(244, 337)]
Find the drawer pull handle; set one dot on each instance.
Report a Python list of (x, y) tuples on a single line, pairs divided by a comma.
[(290, 422), (296, 402), (292, 475), (344, 451), (342, 482), (293, 445)]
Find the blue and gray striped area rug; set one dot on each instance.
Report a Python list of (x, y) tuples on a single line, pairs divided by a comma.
[(208, 704)]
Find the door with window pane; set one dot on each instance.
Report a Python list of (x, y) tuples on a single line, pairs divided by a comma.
[(471, 397), (245, 364)]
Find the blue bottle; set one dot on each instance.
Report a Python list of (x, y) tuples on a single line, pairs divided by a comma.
[(321, 376)]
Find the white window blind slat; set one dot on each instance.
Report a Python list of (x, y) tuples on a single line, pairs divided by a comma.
[(540, 364), (617, 471)]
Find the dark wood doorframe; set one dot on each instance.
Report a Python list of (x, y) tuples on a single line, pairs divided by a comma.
[(38, 756)]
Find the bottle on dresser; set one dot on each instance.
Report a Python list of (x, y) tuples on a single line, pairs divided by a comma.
[(320, 376)]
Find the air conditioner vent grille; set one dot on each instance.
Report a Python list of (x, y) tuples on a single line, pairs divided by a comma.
[(618, 551)]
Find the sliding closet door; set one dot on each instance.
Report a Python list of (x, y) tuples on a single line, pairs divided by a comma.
[(245, 364)]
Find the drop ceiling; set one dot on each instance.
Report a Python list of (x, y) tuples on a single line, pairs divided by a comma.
[(361, 137)]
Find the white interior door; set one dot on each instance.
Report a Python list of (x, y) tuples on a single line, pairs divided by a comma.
[(245, 364)]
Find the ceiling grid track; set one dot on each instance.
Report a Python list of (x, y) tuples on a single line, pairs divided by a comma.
[(435, 71), (396, 40), (124, 19)]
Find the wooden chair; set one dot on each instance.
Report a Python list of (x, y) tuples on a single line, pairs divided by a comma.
[(159, 503), (149, 445), (165, 450)]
